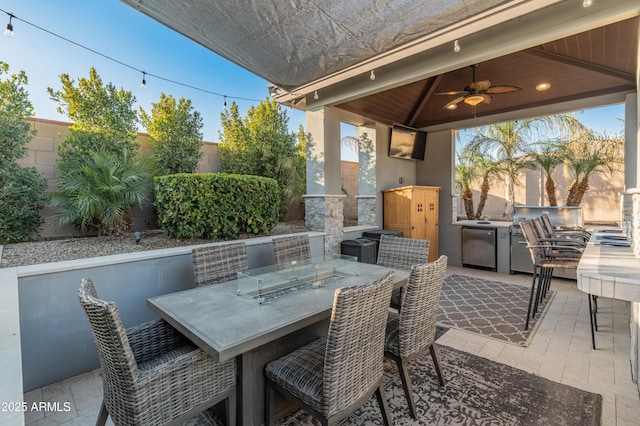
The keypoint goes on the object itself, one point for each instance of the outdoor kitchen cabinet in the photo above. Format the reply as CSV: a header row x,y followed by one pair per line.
x,y
413,210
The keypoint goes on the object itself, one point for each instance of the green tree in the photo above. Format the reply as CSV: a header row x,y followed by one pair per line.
x,y
548,157
101,176
174,129
487,170
21,188
465,174
103,117
507,143
99,196
589,153
260,144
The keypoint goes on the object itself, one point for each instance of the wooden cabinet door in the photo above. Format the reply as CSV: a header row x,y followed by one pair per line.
x,y
419,214
431,229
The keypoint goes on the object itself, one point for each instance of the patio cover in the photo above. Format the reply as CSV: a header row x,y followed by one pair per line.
x,y
293,42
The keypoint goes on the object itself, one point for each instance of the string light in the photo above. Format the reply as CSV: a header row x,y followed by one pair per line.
x,y
315,95
225,102
587,3
143,83
9,33
372,76
456,46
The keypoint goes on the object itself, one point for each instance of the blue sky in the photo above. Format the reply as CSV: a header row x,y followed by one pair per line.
x,y
120,32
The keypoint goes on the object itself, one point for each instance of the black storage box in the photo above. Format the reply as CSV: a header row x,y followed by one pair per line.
x,y
375,235
364,248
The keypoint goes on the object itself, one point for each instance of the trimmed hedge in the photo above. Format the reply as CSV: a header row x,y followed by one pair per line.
x,y
216,205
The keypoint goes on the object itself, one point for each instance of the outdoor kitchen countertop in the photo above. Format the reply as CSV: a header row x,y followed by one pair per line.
x,y
484,224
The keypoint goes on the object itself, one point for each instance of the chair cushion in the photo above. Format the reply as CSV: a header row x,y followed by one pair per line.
x,y
392,334
301,372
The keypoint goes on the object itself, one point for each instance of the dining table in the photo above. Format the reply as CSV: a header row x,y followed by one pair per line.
x,y
228,320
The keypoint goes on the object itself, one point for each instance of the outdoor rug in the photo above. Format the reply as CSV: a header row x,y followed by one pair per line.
x,y
477,392
490,308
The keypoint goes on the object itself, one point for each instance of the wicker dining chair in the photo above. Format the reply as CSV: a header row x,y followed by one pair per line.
x,y
579,234
216,264
295,248
411,332
546,257
401,253
153,375
334,375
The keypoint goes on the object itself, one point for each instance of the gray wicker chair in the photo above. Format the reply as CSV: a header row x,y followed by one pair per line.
x,y
289,249
152,375
411,332
334,375
401,253
216,264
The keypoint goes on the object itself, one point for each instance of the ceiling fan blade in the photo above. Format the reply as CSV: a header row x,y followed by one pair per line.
x,y
479,86
453,102
457,92
503,89
487,98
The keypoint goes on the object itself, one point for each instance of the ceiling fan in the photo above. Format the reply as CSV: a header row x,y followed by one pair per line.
x,y
477,92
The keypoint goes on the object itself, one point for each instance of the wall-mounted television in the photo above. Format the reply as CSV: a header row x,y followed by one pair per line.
x,y
407,143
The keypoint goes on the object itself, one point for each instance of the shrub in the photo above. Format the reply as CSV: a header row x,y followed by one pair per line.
x,y
100,195
216,205
21,198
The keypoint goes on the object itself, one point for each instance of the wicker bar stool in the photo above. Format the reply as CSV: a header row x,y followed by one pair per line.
x,y
153,375
401,253
216,264
295,248
334,375
411,332
545,257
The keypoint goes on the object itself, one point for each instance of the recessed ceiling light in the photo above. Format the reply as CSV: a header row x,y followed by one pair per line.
x,y
543,86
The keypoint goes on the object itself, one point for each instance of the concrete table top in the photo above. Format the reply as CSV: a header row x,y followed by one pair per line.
x,y
609,271
226,325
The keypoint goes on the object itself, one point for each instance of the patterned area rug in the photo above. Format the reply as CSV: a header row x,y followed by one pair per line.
x,y
490,308
477,392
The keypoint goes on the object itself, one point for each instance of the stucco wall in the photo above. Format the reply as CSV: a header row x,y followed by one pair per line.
x,y
601,202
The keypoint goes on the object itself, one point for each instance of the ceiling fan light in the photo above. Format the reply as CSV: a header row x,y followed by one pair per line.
x,y
543,86
473,100
451,107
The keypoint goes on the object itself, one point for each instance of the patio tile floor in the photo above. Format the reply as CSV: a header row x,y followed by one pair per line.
x,y
560,351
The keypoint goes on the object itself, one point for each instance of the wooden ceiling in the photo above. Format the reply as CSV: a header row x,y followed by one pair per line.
x,y
594,63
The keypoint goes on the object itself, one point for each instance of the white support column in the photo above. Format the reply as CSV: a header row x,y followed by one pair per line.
x,y
324,199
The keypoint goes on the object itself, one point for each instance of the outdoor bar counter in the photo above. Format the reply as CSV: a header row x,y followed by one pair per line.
x,y
614,272
227,325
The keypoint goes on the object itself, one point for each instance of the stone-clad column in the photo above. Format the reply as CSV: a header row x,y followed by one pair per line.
x,y
324,199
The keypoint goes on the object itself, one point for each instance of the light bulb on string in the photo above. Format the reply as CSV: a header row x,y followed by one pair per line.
x,y
315,95
9,31
372,76
143,83
456,46
225,102
587,3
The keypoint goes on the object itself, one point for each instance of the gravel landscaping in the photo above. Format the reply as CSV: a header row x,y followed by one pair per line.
x,y
38,252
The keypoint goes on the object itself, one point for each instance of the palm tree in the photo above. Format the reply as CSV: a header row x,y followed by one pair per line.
x,y
506,143
100,195
587,154
548,157
487,169
465,174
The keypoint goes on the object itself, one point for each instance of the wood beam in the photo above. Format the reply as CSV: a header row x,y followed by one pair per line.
x,y
424,99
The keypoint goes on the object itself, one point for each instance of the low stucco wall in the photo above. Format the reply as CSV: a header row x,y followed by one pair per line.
x,y
56,342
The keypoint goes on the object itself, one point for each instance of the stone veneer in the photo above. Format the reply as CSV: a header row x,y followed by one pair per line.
x,y
324,213
366,210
